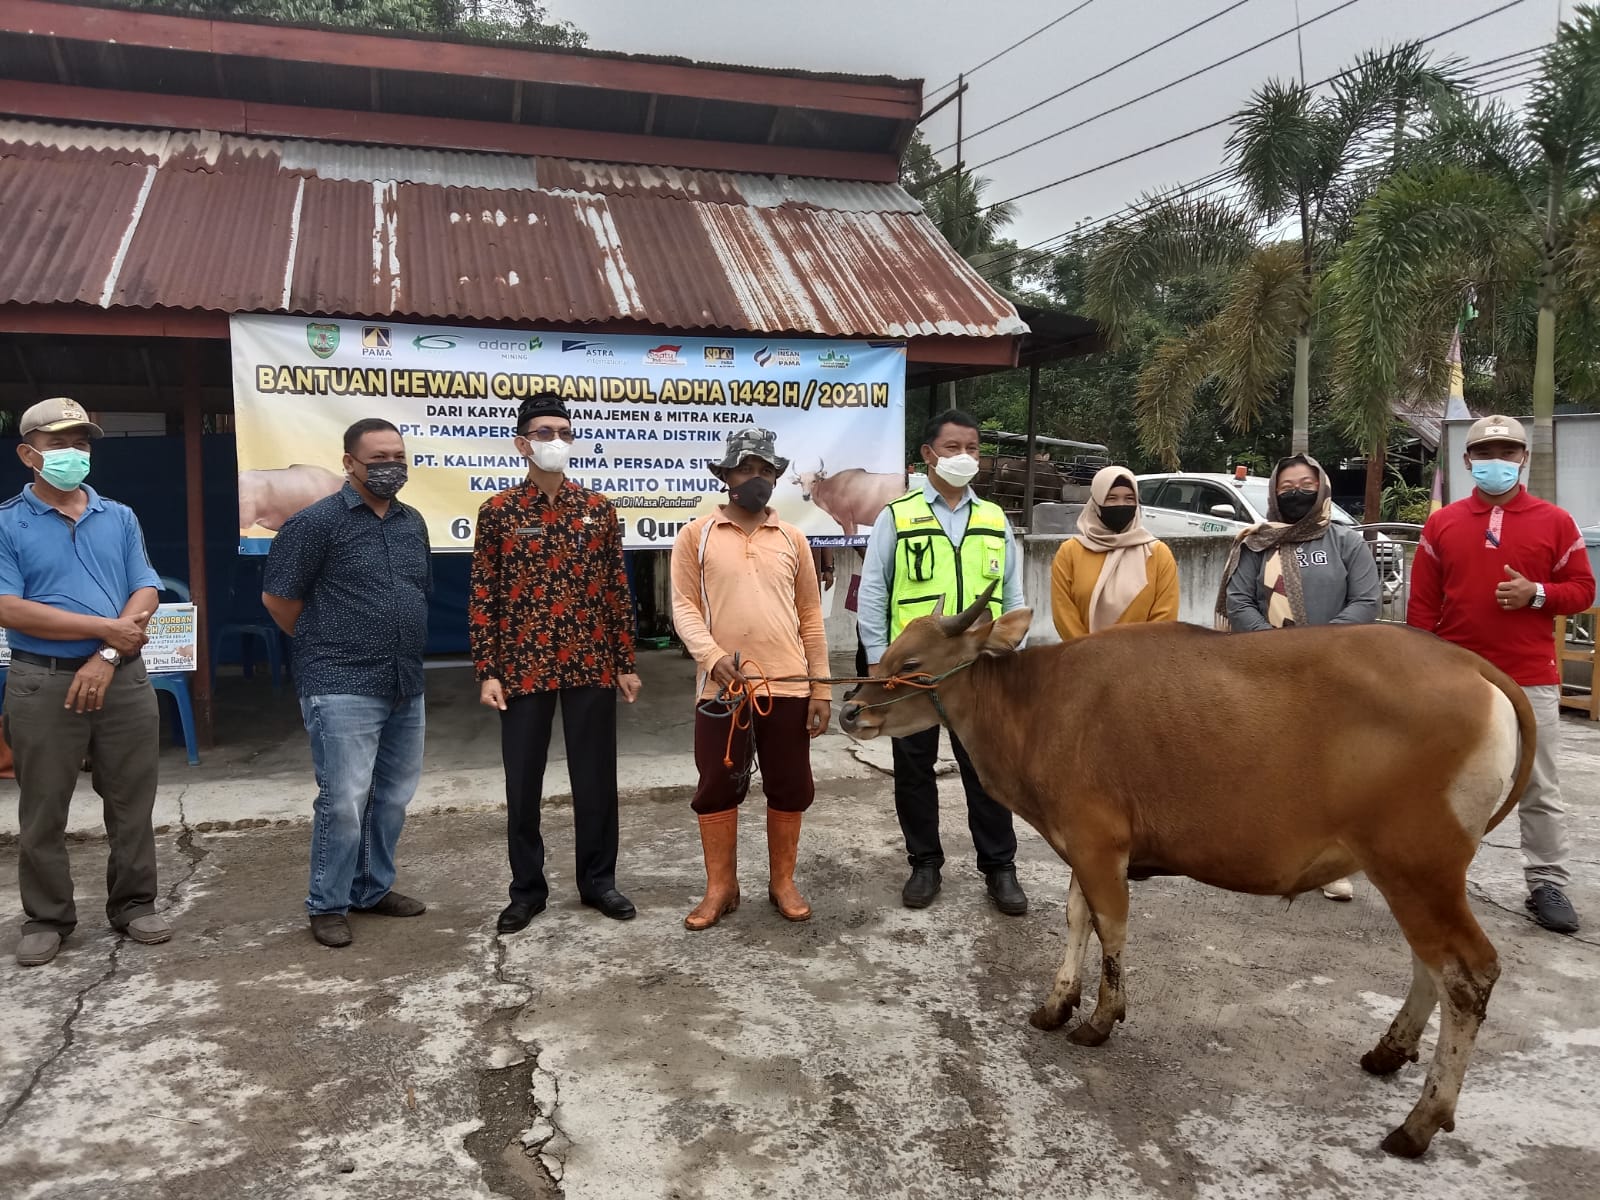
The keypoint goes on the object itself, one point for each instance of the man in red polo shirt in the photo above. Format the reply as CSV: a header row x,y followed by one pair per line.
x,y
1492,573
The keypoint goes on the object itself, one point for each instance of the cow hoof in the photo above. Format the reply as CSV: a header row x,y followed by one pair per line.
x,y
1384,1059
1087,1035
1402,1144
1046,1019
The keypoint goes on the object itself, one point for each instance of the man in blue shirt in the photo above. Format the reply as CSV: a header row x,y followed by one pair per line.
x,y
958,561
348,579
76,591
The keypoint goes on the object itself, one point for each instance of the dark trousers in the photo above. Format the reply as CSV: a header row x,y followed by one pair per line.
x,y
589,722
916,799
782,745
51,742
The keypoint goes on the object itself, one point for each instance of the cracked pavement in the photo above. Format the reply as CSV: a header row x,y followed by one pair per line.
x,y
873,1052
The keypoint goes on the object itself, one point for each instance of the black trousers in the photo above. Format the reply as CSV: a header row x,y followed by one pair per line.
x,y
589,722
916,800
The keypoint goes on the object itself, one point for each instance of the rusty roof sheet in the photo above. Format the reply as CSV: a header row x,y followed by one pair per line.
x,y
132,218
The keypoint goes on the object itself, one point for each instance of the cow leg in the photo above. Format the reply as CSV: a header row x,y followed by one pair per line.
x,y
1462,962
1107,896
1068,989
1399,1045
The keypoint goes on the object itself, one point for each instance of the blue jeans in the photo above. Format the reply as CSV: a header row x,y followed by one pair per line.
x,y
367,752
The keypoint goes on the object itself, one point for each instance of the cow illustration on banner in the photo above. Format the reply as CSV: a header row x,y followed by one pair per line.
x,y
649,413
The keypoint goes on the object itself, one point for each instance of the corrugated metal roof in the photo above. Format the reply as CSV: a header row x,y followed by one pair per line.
x,y
129,218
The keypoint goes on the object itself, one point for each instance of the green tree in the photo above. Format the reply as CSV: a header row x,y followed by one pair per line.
x,y
501,20
1504,206
1293,156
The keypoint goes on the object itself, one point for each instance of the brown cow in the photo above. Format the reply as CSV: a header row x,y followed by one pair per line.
x,y
1165,750
853,497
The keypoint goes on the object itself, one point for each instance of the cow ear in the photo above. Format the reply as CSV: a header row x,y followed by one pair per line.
x,y
1006,634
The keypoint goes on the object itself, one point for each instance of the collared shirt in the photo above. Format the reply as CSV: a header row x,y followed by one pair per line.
x,y
1462,558
754,593
877,571
91,566
548,606
365,581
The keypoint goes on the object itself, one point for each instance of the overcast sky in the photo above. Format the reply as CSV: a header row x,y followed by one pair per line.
x,y
932,40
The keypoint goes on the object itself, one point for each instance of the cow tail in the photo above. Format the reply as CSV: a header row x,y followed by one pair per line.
x,y
1528,727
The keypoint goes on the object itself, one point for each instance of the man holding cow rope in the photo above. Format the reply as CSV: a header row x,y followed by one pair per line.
x,y
1492,572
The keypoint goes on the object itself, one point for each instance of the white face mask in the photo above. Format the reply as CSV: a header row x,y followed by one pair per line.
x,y
551,456
958,470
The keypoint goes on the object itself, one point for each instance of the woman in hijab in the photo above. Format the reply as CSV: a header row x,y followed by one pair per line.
x,y
1300,569
1114,571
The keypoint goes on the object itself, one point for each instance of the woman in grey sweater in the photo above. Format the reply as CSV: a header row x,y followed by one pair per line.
x,y
1300,569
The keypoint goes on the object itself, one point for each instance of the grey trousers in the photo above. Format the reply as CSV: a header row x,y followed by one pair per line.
x,y
50,743
1544,825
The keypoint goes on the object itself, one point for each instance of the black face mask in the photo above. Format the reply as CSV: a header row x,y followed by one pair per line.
x,y
752,495
385,479
1118,517
1293,507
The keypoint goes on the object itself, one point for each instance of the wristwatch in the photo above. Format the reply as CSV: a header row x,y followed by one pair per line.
x,y
110,655
1538,596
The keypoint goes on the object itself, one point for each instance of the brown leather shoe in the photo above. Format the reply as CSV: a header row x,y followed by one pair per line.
x,y
783,850
393,904
331,929
719,840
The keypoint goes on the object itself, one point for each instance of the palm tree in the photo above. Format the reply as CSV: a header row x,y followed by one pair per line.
x,y
1293,156
955,204
1497,204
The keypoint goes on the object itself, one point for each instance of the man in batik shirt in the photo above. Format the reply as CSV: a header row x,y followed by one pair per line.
x,y
551,621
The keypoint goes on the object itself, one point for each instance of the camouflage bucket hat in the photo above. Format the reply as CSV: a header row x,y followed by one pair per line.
x,y
747,443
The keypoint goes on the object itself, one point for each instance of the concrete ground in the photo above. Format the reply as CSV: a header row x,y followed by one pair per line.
x,y
871,1052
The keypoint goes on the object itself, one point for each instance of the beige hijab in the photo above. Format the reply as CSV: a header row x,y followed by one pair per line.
x,y
1125,573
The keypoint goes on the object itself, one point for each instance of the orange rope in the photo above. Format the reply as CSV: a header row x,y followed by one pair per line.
x,y
745,698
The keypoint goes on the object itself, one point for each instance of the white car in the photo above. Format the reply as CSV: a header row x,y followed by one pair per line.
x,y
1196,504
1186,504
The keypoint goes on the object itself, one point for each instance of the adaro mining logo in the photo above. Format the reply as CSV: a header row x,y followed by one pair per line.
x,y
377,341
323,339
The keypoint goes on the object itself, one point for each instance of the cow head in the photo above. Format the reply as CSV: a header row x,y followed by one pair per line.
x,y
808,480
934,646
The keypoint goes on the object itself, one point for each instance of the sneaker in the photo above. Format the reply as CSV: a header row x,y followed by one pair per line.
x,y
36,949
148,930
1340,889
1551,908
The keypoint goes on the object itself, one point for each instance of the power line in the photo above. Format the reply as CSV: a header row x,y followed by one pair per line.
x,y
1165,142
1164,87
1167,41
970,71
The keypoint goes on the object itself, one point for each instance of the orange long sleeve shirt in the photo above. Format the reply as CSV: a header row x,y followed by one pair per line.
x,y
755,594
1077,569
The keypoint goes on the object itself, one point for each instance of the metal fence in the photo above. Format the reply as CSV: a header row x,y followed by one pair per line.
x,y
1394,545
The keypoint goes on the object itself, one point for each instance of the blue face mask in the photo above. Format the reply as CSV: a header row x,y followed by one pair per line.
x,y
65,469
1495,476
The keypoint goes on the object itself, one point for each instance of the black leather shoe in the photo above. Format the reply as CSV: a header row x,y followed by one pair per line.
x,y
1007,893
331,929
514,917
921,888
613,904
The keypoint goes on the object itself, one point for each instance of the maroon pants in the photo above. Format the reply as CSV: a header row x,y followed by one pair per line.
x,y
783,747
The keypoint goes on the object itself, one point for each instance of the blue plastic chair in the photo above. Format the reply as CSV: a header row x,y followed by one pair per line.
x,y
249,631
176,684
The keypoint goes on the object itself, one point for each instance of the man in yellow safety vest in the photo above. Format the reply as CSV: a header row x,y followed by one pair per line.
x,y
940,541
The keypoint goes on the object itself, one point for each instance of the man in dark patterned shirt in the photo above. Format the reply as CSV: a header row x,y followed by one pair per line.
x,y
348,578
549,618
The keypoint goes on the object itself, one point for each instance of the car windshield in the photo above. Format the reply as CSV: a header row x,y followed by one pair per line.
x,y
1255,495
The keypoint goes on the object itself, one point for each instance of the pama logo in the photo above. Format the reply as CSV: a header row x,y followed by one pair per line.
x,y
664,356
377,341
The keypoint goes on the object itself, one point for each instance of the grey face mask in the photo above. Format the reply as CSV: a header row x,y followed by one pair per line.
x,y
385,479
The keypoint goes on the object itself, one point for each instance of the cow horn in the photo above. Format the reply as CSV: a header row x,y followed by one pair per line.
x,y
957,625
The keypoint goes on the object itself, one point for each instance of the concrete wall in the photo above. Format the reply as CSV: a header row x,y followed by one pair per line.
x,y
1200,564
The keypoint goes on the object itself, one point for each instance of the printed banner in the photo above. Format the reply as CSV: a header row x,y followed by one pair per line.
x,y
171,647
648,411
